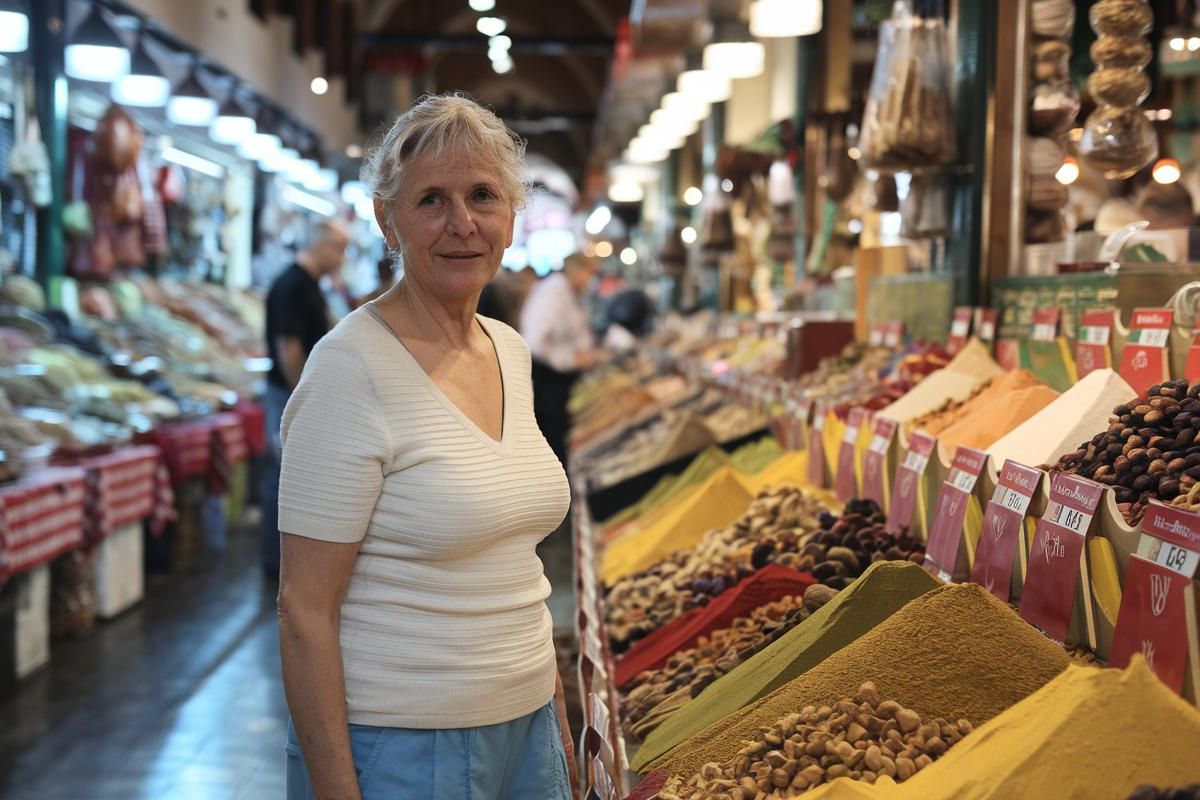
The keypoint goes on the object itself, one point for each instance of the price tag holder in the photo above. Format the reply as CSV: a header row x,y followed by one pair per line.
x,y
908,480
1003,522
1192,369
1045,324
1144,360
1053,575
846,481
602,787
986,324
944,553
1153,616
1093,349
816,447
960,329
875,460
893,334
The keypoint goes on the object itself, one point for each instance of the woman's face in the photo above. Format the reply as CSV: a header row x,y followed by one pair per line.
x,y
453,224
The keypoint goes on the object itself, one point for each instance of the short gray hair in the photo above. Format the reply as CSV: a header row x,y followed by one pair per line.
x,y
437,124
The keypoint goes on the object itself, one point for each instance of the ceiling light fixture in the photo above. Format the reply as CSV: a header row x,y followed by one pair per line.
x,y
96,52
319,85
733,52
144,86
482,6
14,28
1166,171
785,18
491,26
190,103
1068,173
598,220
693,196
233,123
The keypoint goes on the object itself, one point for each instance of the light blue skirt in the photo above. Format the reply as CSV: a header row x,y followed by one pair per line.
x,y
519,760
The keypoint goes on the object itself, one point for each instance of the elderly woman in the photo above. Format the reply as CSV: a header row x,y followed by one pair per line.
x,y
415,639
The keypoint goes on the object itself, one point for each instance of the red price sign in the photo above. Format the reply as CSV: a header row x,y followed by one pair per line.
x,y
986,324
1003,522
875,461
945,537
1045,324
960,329
1053,576
907,482
1092,348
878,330
1144,360
816,447
1153,616
893,334
846,485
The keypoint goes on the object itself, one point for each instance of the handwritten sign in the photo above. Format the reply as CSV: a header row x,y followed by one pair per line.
x,y
1092,348
875,460
907,481
846,485
945,537
1049,594
1045,324
1153,615
1144,360
1003,522
960,329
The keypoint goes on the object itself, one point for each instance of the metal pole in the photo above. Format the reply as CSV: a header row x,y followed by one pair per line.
x,y
48,33
805,48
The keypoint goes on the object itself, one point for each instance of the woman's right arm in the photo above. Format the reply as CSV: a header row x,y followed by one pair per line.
x,y
312,581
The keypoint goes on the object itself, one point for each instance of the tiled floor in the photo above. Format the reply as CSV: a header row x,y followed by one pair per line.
x,y
178,698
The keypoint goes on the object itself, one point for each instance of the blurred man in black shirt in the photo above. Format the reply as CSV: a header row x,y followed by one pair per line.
x,y
297,318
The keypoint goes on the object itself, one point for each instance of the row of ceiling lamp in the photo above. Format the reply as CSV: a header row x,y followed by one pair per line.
x,y
494,28
97,53
733,53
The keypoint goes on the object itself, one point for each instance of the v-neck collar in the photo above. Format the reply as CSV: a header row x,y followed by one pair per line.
x,y
499,446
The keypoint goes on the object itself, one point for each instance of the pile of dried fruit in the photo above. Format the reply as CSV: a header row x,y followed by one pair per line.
x,y
1151,451
843,548
640,604
1152,793
688,672
860,738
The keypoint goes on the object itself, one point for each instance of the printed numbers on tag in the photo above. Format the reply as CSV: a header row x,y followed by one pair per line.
x,y
987,331
1011,499
818,422
963,480
1153,337
960,327
915,462
1178,559
879,445
850,436
1095,335
1072,519
1043,332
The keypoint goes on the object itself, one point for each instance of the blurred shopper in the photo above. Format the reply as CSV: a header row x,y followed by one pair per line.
x,y
504,297
555,325
416,645
629,314
297,318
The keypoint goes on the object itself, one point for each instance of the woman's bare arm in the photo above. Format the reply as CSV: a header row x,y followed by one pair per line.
x,y
313,578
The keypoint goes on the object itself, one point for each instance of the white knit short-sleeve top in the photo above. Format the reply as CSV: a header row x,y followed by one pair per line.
x,y
444,623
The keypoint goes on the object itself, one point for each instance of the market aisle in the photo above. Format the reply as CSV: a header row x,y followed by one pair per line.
x,y
178,698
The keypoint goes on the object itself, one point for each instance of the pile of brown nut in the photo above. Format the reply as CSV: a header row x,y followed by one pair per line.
x,y
640,604
862,739
1151,450
688,672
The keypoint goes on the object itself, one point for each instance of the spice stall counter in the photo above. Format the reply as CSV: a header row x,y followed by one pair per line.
x,y
41,518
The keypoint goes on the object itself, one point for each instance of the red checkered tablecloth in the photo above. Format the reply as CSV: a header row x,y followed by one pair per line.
x,y
41,517
186,446
124,487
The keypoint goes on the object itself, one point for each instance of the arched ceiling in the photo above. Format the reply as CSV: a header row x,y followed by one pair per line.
x,y
562,51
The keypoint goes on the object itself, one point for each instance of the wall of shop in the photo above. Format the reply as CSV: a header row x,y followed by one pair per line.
x,y
261,55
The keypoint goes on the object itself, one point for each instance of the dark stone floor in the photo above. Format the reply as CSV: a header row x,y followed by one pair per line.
x,y
178,698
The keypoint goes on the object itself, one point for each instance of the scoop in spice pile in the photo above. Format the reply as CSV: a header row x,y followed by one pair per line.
x,y
861,738
1151,451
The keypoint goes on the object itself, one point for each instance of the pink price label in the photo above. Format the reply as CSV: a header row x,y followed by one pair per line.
x,y
907,481
1003,522
988,317
945,537
847,480
1153,621
1172,524
1049,595
1045,324
875,460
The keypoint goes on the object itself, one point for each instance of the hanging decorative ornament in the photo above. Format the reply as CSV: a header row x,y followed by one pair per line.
x,y
1118,138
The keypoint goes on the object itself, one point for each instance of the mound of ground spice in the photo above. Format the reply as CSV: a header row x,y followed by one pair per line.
x,y
956,652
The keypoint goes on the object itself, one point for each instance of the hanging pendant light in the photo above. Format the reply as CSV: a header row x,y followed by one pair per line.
x,y
190,103
96,52
145,86
234,123
777,19
733,51
14,26
701,85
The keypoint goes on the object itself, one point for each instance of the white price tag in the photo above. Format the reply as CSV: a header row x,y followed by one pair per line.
x,y
876,338
1093,334
1011,499
915,462
962,480
1043,332
987,331
1072,519
1172,556
960,327
1151,337
879,445
819,421
850,436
